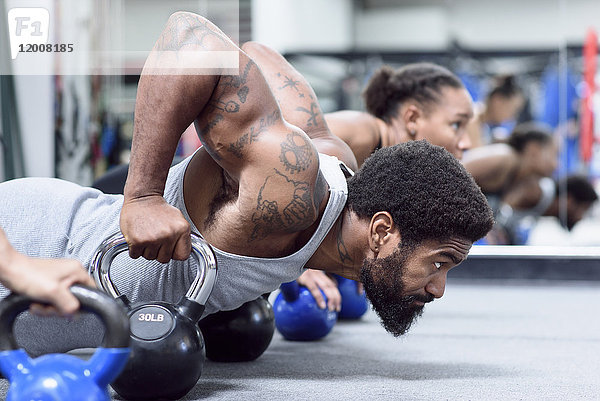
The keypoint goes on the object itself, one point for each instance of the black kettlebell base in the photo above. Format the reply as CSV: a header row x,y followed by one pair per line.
x,y
139,397
240,335
139,388
145,397
250,354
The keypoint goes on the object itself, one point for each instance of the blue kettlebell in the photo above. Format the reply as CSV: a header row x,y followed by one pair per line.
x,y
297,315
62,377
354,305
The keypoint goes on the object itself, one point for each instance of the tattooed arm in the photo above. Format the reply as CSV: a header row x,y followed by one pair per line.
x,y
240,126
298,101
300,107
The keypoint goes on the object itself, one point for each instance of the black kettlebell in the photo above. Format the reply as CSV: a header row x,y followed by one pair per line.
x,y
239,335
167,348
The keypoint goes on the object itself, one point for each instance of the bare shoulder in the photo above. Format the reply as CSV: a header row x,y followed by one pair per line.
x,y
358,129
491,165
498,151
350,118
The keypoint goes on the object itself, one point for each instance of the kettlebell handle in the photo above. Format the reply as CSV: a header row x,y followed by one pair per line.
x,y
113,316
200,288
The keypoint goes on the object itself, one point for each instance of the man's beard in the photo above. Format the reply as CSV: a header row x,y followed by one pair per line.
x,y
384,286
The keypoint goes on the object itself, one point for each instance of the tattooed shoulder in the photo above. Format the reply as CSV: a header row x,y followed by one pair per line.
x,y
276,213
297,154
254,133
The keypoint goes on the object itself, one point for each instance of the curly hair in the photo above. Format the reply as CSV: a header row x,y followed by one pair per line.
x,y
422,82
527,132
427,191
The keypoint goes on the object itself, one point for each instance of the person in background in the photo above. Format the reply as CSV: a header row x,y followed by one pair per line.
x,y
495,119
417,101
524,204
581,197
502,169
529,154
516,179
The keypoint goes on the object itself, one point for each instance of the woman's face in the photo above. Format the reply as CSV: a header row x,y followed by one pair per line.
x,y
444,123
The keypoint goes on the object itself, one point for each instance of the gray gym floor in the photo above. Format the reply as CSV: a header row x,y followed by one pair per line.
x,y
482,341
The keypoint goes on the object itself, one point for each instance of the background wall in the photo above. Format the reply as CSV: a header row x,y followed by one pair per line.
x,y
291,25
342,25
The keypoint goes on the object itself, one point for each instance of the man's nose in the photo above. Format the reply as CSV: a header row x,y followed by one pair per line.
x,y
437,285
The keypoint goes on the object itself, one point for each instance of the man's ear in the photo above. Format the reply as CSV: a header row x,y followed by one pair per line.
x,y
381,230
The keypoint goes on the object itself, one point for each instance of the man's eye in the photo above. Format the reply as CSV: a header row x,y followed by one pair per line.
x,y
455,126
438,265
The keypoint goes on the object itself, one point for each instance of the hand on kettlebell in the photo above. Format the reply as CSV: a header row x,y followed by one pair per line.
x,y
61,376
297,315
323,288
167,347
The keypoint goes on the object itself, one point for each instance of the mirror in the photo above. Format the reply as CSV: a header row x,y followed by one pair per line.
x,y
539,45
337,45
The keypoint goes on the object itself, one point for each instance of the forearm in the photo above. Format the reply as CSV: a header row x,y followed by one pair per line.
x,y
155,138
298,102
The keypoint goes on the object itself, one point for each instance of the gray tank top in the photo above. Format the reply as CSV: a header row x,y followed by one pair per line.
x,y
242,278
45,217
